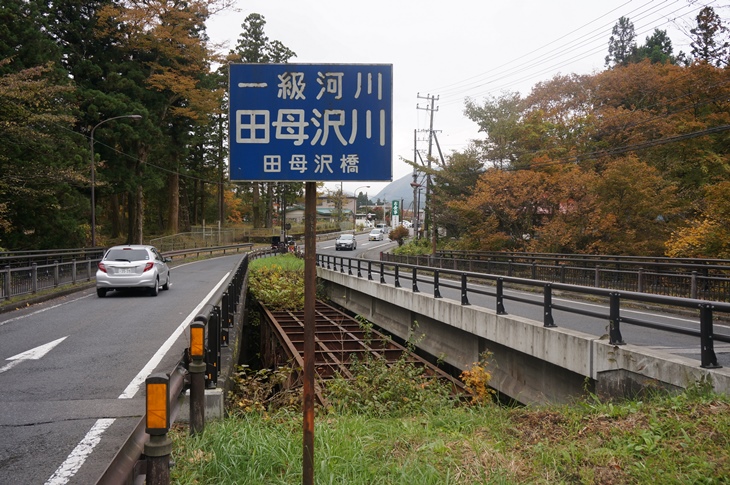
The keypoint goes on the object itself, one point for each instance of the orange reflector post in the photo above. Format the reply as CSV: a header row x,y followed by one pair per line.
x,y
197,340
158,398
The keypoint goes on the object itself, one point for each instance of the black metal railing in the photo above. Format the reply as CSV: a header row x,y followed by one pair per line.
x,y
660,276
468,283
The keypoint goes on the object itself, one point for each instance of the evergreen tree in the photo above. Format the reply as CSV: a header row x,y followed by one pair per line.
x,y
658,48
622,44
709,43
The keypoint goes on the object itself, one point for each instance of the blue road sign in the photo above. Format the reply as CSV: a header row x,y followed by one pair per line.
x,y
311,122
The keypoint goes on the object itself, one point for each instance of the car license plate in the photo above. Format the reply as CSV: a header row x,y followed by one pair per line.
x,y
125,271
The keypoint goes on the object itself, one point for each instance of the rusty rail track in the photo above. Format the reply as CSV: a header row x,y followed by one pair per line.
x,y
340,340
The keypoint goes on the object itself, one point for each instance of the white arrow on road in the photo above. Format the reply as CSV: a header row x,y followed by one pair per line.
x,y
32,354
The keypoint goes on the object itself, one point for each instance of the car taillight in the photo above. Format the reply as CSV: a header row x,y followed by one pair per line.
x,y
149,266
102,267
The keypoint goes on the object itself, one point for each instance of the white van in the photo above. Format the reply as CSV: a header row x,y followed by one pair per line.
x,y
383,228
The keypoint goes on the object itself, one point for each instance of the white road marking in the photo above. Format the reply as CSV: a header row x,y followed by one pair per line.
x,y
73,462
78,456
32,354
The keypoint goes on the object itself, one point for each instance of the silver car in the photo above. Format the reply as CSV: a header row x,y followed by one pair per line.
x,y
133,266
346,241
375,235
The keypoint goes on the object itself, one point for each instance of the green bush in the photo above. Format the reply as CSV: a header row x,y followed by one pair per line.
x,y
278,282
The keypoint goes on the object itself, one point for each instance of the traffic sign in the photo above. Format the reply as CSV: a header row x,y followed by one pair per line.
x,y
395,208
311,122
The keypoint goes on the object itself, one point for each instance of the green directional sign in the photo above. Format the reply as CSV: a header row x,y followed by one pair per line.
x,y
395,208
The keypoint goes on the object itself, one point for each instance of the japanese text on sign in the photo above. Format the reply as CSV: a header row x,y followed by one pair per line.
x,y
309,122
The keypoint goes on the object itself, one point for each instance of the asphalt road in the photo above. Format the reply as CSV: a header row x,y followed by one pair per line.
x,y
72,369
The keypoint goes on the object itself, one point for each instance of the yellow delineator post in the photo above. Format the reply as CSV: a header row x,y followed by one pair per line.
x,y
197,369
157,424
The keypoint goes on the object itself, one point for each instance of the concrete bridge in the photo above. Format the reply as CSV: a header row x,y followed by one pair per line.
x,y
530,363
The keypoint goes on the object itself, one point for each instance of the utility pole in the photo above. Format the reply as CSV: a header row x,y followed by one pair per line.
x,y
429,203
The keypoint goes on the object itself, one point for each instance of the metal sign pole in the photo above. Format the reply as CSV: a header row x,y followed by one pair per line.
x,y
310,288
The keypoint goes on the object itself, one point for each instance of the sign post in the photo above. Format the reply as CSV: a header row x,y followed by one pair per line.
x,y
310,123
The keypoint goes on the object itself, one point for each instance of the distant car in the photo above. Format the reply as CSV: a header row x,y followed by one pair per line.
x,y
346,241
406,224
375,235
133,266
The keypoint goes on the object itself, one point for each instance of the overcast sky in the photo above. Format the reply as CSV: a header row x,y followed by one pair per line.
x,y
456,49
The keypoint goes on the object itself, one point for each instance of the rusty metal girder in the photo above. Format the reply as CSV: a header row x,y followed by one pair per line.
x,y
340,340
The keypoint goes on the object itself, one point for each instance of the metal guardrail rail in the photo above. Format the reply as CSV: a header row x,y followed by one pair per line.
x,y
467,283
659,276
65,269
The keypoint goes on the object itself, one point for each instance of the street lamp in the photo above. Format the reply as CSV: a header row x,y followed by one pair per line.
x,y
93,175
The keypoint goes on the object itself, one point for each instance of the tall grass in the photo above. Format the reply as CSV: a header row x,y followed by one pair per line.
x,y
662,439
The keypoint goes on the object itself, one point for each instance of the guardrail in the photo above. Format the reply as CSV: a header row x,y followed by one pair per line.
x,y
475,283
34,277
694,280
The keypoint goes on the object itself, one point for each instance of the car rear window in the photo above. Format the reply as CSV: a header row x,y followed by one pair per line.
x,y
128,255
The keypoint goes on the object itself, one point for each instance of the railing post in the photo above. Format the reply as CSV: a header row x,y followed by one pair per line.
x,y
597,278
415,280
370,270
359,274
6,283
34,277
533,271
464,297
708,357
547,320
214,346
55,274
225,301
397,279
73,271
349,267
88,269
640,281
693,286
562,273
382,273
500,297
436,290
614,320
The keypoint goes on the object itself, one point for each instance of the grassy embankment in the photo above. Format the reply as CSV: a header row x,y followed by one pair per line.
x,y
399,427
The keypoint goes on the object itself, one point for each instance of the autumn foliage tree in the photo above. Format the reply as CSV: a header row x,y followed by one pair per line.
x,y
631,160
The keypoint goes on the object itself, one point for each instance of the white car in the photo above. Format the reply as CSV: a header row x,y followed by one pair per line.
x,y
132,266
406,224
375,235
